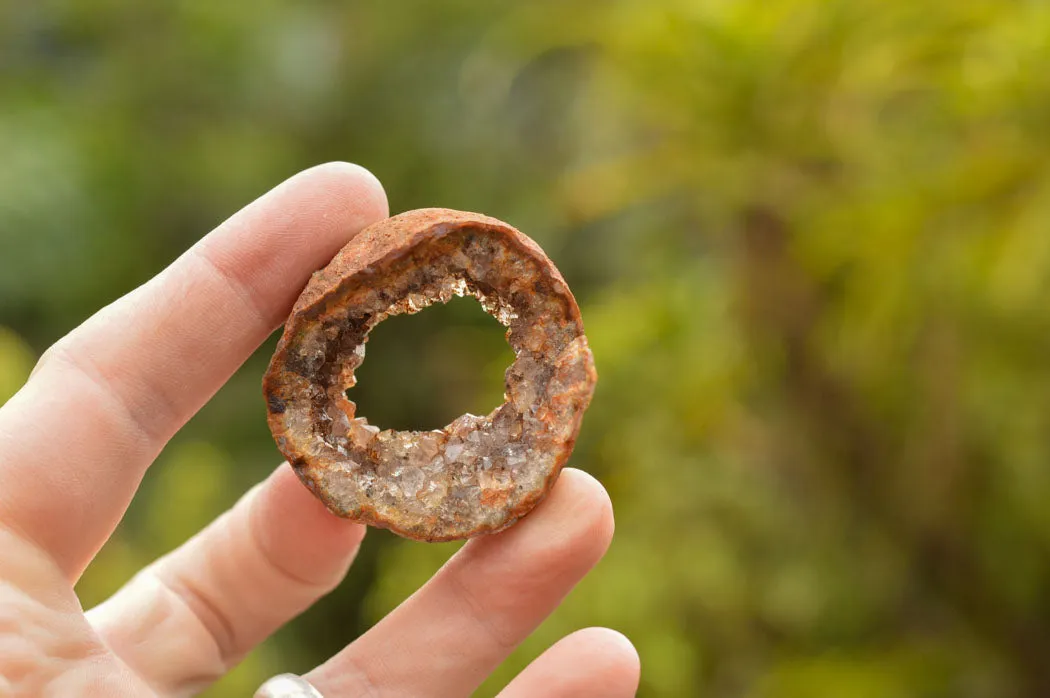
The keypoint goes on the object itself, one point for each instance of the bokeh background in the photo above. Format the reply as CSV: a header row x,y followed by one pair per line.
x,y
809,237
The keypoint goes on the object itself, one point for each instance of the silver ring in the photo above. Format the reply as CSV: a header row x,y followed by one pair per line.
x,y
287,686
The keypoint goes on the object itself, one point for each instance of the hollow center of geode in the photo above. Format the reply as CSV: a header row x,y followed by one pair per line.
x,y
424,370
342,409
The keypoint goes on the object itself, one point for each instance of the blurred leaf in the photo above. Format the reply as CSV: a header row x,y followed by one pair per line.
x,y
16,361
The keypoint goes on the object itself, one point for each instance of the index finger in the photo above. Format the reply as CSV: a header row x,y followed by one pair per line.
x,y
76,440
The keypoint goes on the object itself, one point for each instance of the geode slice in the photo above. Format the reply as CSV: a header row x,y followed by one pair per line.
x,y
478,474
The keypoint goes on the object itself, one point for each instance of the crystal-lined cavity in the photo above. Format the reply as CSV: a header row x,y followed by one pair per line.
x,y
479,473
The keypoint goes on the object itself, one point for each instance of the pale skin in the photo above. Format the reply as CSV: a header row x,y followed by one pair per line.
x,y
76,441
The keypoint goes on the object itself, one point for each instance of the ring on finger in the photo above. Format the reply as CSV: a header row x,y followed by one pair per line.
x,y
287,686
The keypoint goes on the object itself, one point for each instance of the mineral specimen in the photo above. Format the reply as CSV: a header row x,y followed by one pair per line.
x,y
478,474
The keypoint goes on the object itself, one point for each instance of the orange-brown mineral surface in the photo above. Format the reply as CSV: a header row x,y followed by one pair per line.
x,y
478,474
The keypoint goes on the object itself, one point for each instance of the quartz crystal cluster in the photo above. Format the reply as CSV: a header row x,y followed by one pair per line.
x,y
478,474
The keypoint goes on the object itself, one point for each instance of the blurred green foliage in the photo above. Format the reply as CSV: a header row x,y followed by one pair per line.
x,y
810,242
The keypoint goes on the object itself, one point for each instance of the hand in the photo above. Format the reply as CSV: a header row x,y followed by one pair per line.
x,y
100,405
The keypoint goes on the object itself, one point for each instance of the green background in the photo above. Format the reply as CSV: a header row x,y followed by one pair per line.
x,y
809,238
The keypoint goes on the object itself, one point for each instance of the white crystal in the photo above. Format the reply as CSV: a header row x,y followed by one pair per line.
x,y
453,451
340,423
416,302
497,478
425,449
435,467
312,349
411,480
465,423
361,431
434,492
515,455
459,287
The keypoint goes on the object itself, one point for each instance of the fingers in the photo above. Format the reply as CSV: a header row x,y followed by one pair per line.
x,y
186,619
46,646
594,662
446,638
104,399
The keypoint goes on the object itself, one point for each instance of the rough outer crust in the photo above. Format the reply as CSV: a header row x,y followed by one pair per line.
x,y
478,474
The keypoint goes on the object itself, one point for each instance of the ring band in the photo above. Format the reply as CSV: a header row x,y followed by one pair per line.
x,y
287,686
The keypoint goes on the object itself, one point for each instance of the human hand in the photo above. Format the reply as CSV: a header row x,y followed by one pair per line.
x,y
100,405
